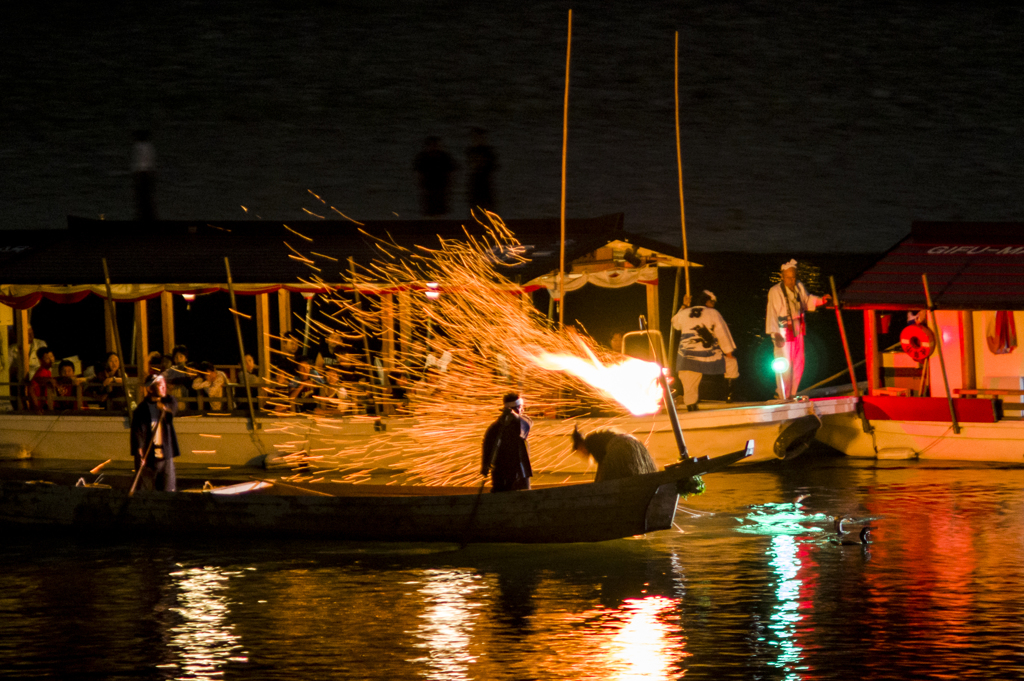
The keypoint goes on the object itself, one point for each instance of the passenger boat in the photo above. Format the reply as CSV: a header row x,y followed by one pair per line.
x,y
954,386
66,268
586,512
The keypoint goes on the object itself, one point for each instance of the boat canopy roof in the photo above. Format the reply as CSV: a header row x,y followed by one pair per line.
x,y
970,266
187,256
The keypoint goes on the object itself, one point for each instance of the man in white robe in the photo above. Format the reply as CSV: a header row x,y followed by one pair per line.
x,y
784,322
705,347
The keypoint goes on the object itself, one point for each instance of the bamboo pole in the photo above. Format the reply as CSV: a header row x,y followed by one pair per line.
x,y
942,359
842,334
117,340
379,424
565,143
241,346
679,163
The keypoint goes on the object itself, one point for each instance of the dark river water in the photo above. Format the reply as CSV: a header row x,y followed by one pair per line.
x,y
747,587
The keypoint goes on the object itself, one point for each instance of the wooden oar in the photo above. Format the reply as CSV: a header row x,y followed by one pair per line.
x,y
480,492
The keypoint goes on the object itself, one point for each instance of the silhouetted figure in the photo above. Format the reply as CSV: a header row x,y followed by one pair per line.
x,y
481,162
144,176
434,166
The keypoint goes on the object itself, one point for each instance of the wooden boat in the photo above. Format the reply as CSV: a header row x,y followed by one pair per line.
x,y
960,396
586,512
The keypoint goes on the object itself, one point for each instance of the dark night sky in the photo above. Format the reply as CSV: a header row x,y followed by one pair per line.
x,y
806,125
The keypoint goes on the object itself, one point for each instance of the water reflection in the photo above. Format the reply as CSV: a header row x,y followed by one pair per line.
x,y
204,641
448,617
785,617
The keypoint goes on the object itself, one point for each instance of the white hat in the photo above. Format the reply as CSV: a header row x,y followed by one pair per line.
x,y
710,295
789,265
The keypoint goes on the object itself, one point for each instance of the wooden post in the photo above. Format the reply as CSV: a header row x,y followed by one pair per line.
x,y
108,327
241,350
263,334
167,321
405,326
24,346
142,339
942,358
872,356
387,318
968,371
284,311
842,334
653,308
117,340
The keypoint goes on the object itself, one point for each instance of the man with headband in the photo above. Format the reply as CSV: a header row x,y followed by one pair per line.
x,y
505,453
784,322
154,443
705,348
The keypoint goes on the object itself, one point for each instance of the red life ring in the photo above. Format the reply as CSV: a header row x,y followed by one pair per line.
x,y
918,342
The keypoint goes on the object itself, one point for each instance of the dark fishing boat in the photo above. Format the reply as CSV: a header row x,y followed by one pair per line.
x,y
584,512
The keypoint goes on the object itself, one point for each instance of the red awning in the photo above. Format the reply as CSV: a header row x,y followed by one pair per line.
x,y
970,266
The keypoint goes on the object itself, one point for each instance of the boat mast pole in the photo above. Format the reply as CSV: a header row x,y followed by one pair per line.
x,y
942,359
241,346
670,405
117,340
842,334
565,141
682,207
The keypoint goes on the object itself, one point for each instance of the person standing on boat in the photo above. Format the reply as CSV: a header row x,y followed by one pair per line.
x,y
153,447
705,347
506,456
784,322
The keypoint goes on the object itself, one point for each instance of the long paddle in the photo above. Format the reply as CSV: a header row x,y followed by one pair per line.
x,y
480,492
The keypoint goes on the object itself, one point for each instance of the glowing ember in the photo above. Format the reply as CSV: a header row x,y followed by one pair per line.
x,y
452,354
633,383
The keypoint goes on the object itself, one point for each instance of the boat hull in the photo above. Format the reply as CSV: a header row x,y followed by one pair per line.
x,y
571,513
999,442
228,440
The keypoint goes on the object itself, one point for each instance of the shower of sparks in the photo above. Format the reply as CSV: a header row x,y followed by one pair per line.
x,y
463,336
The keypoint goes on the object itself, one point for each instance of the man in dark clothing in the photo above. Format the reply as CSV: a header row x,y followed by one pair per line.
x,y
158,408
506,455
481,162
434,166
618,454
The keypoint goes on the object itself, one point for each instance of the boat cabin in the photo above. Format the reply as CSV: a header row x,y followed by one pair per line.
x,y
975,278
157,269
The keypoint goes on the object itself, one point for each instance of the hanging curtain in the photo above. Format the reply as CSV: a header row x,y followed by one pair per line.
x,y
1001,333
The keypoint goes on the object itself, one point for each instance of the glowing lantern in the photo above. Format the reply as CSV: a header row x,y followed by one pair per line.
x,y
780,365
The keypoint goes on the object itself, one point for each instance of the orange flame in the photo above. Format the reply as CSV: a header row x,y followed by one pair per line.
x,y
633,383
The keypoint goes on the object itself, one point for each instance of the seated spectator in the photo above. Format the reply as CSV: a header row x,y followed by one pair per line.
x,y
304,383
155,360
334,395
66,383
249,367
106,386
41,386
291,349
179,376
211,383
